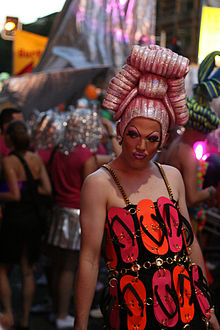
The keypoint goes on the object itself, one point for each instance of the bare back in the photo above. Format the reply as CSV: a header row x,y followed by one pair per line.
x,y
14,173
33,161
173,155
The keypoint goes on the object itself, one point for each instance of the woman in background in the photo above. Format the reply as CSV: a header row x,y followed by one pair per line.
x,y
20,233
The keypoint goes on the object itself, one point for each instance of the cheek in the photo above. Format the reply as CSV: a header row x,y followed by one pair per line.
x,y
153,147
128,144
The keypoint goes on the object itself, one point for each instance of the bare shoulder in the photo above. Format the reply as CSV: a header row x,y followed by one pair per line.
x,y
185,150
10,161
33,156
95,188
171,170
97,180
7,161
173,175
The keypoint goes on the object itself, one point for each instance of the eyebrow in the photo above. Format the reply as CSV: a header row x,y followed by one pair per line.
x,y
146,135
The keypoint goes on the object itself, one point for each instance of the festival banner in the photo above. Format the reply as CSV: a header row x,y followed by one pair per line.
x,y
209,38
27,51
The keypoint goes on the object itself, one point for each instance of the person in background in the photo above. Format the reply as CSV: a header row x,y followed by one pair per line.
x,y
20,232
180,153
136,211
67,172
175,46
108,147
6,116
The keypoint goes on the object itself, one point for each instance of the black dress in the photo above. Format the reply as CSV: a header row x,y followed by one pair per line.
x,y
20,227
152,282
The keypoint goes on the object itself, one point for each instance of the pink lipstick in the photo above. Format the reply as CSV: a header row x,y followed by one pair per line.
x,y
139,155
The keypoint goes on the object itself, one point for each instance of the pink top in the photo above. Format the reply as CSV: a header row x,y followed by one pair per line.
x,y
67,176
45,155
101,150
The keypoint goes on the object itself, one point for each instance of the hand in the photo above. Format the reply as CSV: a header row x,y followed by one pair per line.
x,y
214,322
212,192
212,200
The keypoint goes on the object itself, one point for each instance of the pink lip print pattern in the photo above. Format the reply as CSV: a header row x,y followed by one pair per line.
x,y
152,235
122,226
165,299
170,216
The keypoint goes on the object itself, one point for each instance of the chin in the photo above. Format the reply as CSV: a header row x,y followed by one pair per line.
x,y
140,164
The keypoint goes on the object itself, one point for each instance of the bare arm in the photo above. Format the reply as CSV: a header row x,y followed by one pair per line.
x,y
112,135
92,219
13,193
116,148
196,253
90,166
189,166
103,159
44,187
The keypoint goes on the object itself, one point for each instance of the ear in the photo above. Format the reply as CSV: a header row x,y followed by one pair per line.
x,y
118,133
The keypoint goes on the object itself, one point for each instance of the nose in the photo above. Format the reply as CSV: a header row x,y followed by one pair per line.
x,y
141,144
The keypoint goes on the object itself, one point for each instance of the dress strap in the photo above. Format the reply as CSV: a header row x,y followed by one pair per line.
x,y
121,189
165,180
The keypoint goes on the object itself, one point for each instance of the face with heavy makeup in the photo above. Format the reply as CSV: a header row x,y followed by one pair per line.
x,y
141,140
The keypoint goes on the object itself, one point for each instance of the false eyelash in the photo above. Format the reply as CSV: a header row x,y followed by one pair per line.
x,y
132,134
154,139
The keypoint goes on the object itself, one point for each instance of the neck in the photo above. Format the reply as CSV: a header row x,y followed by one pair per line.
x,y
20,152
121,164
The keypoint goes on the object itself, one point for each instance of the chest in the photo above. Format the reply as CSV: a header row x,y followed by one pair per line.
x,y
135,190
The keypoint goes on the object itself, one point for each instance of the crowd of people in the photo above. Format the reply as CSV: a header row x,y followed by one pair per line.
x,y
27,175
136,202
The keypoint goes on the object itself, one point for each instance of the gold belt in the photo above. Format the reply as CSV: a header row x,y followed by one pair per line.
x,y
159,262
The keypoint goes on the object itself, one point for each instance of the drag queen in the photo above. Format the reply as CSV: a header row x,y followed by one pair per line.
x,y
135,209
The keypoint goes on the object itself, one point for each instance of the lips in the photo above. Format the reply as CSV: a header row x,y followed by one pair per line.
x,y
139,155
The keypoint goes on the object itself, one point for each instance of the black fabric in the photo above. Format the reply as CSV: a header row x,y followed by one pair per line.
x,y
21,228
43,203
212,176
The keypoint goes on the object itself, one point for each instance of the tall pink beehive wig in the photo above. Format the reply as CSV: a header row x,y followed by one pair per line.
x,y
150,85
